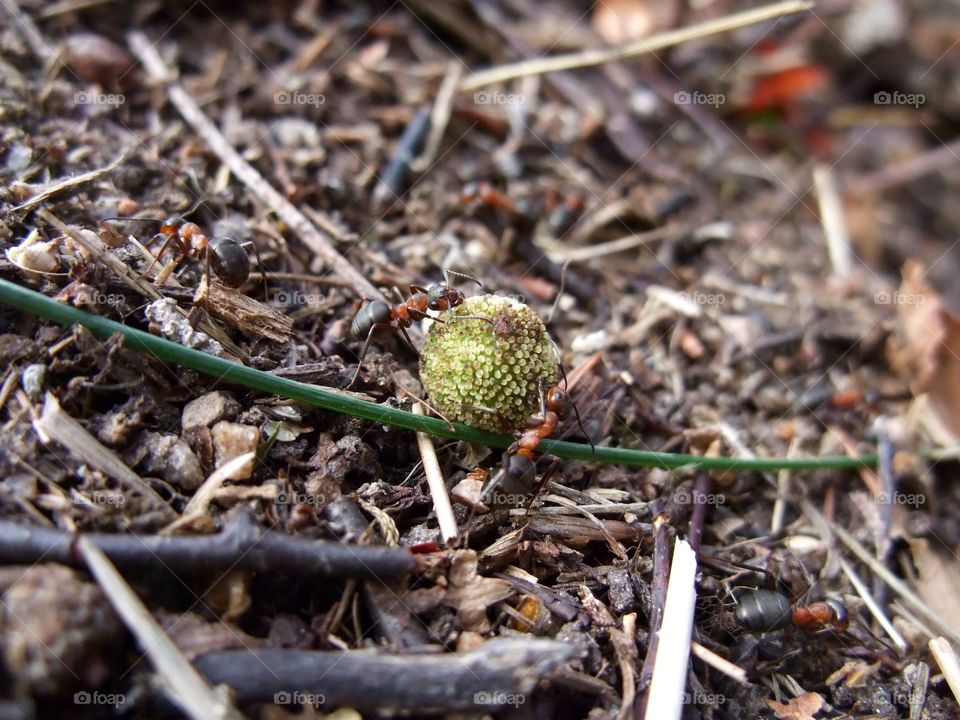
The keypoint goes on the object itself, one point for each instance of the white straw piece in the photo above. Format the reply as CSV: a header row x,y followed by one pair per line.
x,y
666,699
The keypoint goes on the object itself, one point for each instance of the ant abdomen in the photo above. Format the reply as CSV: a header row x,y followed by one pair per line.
x,y
376,312
229,261
764,611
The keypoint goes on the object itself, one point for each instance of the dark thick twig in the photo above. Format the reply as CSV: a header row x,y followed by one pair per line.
x,y
658,599
701,488
242,544
498,673
394,179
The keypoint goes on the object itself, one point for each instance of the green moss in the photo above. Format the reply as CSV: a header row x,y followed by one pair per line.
x,y
488,374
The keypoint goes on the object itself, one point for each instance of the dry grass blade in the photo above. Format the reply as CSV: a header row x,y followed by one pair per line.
x,y
67,184
660,41
670,668
438,490
946,658
54,423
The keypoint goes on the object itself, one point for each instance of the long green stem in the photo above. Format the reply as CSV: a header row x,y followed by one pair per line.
x,y
226,371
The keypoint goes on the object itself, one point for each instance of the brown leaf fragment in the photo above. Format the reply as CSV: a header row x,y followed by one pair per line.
x,y
802,707
471,594
927,353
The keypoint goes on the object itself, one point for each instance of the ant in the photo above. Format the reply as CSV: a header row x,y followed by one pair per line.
x,y
555,404
767,610
227,257
562,210
381,315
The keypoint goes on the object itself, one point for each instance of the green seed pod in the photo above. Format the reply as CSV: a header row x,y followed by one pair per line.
x,y
488,374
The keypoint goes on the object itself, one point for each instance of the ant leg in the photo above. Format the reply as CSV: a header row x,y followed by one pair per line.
x,y
163,248
406,337
363,353
414,289
263,273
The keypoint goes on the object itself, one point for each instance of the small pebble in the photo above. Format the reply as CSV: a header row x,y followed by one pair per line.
x,y
209,409
32,380
233,439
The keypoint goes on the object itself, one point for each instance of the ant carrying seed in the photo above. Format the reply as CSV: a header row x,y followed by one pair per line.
x,y
555,405
381,315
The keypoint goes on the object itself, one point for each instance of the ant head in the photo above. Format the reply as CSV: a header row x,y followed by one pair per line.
x,y
443,297
557,399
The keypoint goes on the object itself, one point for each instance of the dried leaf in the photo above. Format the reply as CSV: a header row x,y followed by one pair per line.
x,y
471,594
928,353
938,580
803,707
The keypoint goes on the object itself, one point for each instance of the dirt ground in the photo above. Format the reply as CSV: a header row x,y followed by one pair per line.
x,y
743,245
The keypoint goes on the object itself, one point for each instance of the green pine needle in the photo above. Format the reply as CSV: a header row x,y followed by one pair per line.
x,y
225,371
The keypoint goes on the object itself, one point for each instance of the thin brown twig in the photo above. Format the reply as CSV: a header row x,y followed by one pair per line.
x,y
311,235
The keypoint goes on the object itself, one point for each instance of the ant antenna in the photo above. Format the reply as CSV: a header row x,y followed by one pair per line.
x,y
447,273
563,373
189,211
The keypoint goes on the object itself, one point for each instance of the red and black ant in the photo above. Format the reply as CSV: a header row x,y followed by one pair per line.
x,y
381,315
562,210
768,610
225,256
765,610
555,404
